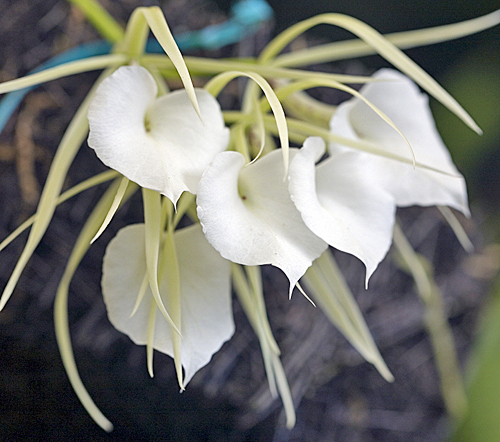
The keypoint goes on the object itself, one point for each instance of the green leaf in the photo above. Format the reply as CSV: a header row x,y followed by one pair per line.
x,y
70,143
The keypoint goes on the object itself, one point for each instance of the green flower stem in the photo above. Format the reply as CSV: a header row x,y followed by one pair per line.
x,y
302,105
102,21
437,326
239,140
299,130
169,255
207,66
64,70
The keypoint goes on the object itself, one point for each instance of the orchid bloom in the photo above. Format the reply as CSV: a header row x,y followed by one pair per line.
x,y
341,203
206,314
157,142
248,216
169,288
401,100
161,144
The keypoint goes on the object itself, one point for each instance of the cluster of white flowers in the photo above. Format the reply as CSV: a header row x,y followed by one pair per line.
x,y
168,286
248,214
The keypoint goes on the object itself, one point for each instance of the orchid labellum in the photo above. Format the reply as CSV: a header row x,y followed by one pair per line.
x,y
158,142
206,314
434,180
341,202
248,216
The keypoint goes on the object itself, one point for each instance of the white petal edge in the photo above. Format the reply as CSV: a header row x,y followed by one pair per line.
x,y
340,202
159,143
401,100
206,313
248,216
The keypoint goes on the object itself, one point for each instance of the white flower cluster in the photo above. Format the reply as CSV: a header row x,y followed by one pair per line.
x,y
248,214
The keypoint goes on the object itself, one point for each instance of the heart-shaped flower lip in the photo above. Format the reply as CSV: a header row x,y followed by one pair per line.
x,y
248,216
340,202
158,142
401,100
207,317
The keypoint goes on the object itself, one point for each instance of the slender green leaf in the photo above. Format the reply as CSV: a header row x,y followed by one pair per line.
x,y
70,143
153,228
286,91
457,228
436,322
114,207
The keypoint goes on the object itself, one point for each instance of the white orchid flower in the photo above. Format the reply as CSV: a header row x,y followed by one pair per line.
x,y
401,100
157,142
206,313
248,216
341,202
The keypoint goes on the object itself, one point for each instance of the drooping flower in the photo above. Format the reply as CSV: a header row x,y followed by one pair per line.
x,y
206,314
341,202
248,216
401,100
158,142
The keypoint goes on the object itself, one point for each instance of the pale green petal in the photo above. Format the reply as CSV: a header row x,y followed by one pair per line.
x,y
206,314
400,99
340,202
159,143
248,216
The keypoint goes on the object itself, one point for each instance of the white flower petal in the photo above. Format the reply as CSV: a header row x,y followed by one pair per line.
x,y
340,202
248,216
401,100
206,314
159,143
